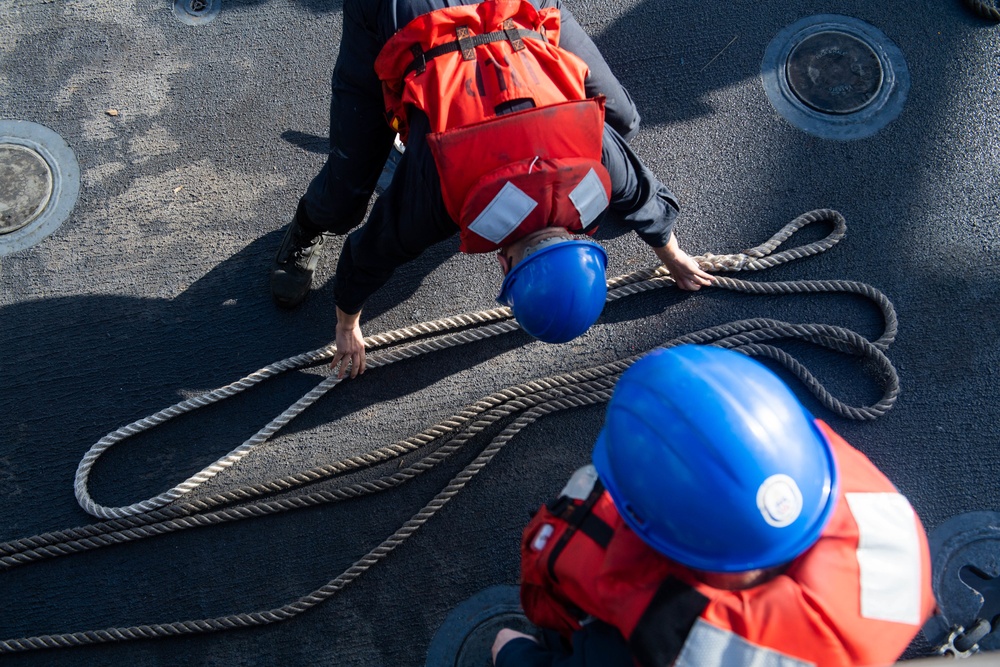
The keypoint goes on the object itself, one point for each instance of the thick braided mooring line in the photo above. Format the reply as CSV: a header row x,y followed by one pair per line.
x,y
495,321
748,336
299,361
984,8
306,602
491,408
598,390
538,397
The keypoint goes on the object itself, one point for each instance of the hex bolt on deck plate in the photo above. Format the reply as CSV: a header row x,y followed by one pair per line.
x,y
39,184
965,564
835,77
466,636
196,12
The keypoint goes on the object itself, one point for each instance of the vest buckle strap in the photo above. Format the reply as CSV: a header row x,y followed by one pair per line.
x,y
576,519
465,44
419,63
513,35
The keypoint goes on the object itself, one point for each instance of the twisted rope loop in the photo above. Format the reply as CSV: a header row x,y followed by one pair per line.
x,y
984,8
618,287
163,513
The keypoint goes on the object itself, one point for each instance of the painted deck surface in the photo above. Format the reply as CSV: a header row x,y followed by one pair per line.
x,y
155,289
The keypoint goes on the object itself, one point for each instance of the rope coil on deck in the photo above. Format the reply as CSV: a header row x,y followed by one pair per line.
x,y
496,321
984,8
163,513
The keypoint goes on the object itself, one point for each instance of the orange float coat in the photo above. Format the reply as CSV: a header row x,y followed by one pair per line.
x,y
502,176
858,596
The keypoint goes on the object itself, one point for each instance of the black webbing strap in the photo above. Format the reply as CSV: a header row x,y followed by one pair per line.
x,y
466,44
597,529
666,623
513,34
580,518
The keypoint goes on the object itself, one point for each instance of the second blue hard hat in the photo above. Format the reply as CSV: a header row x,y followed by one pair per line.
x,y
557,292
713,462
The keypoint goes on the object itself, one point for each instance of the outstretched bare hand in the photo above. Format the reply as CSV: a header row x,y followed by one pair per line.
x,y
682,267
350,352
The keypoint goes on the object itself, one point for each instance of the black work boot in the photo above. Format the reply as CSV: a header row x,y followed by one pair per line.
x,y
295,263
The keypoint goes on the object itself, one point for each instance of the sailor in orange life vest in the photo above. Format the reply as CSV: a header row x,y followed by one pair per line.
x,y
515,133
719,525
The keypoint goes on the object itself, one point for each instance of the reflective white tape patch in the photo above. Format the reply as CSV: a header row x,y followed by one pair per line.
x,y
542,537
709,646
589,198
581,483
888,557
502,215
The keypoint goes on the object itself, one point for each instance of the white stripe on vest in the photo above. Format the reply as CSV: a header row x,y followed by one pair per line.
x,y
589,198
888,556
709,646
502,215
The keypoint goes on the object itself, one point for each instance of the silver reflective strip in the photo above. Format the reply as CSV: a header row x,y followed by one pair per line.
x,y
888,557
502,215
589,198
709,646
581,483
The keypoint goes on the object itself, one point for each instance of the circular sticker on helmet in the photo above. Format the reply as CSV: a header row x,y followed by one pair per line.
x,y
779,500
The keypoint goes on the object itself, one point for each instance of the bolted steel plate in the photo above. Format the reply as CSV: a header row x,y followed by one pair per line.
x,y
25,186
835,77
39,184
834,72
965,575
466,636
196,12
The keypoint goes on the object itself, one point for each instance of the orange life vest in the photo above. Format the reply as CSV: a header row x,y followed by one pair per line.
x,y
856,597
502,177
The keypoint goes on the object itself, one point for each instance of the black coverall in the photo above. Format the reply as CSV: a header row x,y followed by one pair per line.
x,y
410,215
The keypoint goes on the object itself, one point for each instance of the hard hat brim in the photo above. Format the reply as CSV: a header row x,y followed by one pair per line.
x,y
504,297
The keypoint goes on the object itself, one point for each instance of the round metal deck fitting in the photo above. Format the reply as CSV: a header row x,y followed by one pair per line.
x,y
965,565
196,12
466,636
25,186
835,77
834,72
39,184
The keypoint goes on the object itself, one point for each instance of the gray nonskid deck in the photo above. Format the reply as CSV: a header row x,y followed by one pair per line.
x,y
155,289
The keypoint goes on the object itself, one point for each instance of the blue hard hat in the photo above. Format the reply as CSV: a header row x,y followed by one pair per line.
x,y
558,291
713,462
